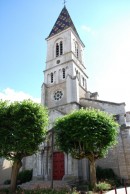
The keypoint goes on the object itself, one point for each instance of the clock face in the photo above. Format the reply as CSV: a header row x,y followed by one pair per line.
x,y
58,95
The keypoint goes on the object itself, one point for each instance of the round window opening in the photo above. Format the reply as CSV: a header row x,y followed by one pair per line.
x,y
58,95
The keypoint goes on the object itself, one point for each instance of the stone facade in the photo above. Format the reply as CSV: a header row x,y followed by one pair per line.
x,y
5,170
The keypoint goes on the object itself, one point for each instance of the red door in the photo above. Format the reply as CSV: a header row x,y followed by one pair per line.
x,y
58,165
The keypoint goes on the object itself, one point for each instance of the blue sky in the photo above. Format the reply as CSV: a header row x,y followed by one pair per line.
x,y
103,25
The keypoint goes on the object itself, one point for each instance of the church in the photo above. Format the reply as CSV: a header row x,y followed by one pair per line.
x,y
65,89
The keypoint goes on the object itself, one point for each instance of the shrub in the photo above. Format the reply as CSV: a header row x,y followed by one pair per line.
x,y
24,176
103,186
106,173
82,186
4,191
108,176
7,182
89,192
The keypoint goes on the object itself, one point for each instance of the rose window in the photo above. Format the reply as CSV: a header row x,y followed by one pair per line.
x,y
58,95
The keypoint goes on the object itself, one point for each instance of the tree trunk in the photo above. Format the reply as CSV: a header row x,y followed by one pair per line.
x,y
93,178
15,170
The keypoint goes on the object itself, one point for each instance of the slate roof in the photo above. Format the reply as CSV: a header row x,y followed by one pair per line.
x,y
63,22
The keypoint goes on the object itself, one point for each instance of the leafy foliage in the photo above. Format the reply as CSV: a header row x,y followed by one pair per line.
x,y
7,182
24,176
103,186
84,132
108,175
22,128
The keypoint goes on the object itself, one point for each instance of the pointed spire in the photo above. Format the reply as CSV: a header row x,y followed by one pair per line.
x,y
63,22
64,2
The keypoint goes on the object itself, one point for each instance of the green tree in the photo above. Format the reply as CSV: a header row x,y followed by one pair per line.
x,y
86,133
22,129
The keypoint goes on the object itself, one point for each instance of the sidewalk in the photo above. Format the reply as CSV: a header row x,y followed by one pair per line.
x,y
119,191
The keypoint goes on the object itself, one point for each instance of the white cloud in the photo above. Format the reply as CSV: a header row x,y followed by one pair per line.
x,y
12,95
88,29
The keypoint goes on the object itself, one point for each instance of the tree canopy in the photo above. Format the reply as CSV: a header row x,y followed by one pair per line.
x,y
86,133
23,126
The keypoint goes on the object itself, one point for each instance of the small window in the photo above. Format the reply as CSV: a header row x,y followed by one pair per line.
x,y
116,117
77,53
75,47
83,81
63,70
78,75
59,48
52,77
76,50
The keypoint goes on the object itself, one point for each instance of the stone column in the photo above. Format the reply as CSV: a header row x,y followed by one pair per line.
x,y
80,170
75,167
34,166
70,165
39,172
46,164
66,164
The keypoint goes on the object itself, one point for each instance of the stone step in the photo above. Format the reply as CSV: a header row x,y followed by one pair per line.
x,y
44,184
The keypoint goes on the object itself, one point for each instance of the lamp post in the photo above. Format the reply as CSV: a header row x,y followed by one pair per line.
x,y
52,149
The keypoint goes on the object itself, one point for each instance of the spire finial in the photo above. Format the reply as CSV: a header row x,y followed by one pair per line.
x,y
64,2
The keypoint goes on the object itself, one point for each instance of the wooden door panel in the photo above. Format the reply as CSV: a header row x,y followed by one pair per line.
x,y
58,165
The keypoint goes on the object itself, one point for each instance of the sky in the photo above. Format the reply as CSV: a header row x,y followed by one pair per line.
x,y
103,26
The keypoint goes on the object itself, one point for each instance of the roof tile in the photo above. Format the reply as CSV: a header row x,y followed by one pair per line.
x,y
63,22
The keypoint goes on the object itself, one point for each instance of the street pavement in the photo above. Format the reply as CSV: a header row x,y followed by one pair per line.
x,y
120,191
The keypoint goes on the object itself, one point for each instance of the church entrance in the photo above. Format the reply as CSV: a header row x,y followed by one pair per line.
x,y
58,166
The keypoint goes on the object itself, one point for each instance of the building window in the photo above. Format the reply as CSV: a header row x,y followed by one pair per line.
x,y
52,77
116,117
63,71
58,95
83,80
59,48
77,53
76,50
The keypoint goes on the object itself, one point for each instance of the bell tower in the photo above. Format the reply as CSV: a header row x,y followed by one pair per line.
x,y
65,80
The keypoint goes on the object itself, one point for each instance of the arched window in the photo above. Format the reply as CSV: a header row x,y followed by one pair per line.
x,y
77,53
76,50
83,80
77,73
52,77
59,48
63,71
